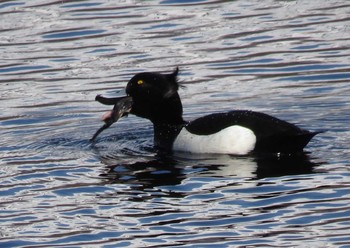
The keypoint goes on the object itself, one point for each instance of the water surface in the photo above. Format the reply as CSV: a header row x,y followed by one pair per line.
x,y
289,59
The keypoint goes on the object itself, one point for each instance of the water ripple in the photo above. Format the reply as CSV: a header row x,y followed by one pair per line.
x,y
285,58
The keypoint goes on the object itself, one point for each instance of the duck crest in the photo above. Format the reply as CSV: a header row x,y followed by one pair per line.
x,y
174,83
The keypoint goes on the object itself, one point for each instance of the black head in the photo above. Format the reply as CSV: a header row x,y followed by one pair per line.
x,y
155,97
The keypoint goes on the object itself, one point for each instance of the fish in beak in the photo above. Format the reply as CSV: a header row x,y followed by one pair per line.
x,y
122,106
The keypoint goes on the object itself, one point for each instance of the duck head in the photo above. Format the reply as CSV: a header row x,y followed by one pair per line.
x,y
150,95
155,97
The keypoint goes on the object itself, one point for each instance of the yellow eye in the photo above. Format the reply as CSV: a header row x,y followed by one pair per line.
x,y
140,82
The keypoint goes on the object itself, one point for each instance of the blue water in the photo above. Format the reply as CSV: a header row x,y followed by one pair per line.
x,y
289,59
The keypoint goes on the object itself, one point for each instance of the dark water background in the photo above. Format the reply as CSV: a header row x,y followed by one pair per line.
x,y
290,59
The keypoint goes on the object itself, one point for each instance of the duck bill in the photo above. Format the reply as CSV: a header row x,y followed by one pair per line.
x,y
122,107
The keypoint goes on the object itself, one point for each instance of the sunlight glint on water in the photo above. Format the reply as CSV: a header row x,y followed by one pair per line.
x,y
289,59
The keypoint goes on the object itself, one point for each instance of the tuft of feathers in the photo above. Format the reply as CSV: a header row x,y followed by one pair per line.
x,y
175,84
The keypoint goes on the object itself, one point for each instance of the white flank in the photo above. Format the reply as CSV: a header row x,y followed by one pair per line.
x,y
236,140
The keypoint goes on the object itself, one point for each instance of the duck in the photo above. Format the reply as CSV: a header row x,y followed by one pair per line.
x,y
155,96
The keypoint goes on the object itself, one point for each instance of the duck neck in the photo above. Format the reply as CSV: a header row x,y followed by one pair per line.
x,y
165,134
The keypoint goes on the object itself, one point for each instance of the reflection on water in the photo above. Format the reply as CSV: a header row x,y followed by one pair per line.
x,y
172,169
286,58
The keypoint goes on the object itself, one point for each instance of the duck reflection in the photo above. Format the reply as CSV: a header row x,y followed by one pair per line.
x,y
150,173
165,169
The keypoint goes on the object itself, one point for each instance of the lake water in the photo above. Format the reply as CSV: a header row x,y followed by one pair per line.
x,y
290,59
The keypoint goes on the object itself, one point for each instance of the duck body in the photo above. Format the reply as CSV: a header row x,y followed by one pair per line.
x,y
240,132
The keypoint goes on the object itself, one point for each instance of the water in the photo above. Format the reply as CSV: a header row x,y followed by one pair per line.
x,y
286,58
